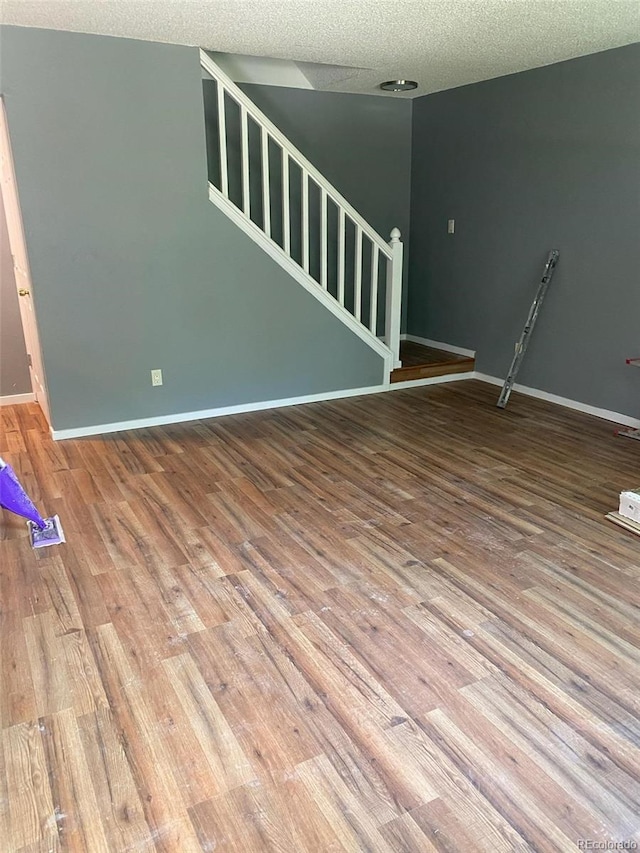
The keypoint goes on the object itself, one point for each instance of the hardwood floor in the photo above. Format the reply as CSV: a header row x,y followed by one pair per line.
x,y
392,623
421,362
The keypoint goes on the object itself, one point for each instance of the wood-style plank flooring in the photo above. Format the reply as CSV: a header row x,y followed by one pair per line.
x,y
421,362
391,623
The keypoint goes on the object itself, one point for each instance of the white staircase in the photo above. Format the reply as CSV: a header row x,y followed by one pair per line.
x,y
282,201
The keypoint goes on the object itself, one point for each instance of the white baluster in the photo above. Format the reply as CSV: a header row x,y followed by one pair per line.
x,y
222,142
357,288
244,143
286,216
266,185
373,317
323,238
394,297
305,220
341,243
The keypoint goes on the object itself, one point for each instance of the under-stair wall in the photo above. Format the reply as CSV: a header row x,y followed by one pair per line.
x,y
133,268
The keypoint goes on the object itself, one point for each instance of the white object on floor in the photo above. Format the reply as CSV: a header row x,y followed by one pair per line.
x,y
630,505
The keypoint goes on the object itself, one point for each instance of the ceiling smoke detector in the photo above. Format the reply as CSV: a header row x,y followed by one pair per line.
x,y
399,85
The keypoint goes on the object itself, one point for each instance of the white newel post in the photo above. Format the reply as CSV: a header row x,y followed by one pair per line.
x,y
394,296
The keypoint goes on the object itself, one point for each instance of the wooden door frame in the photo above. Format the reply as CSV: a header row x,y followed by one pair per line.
x,y
18,247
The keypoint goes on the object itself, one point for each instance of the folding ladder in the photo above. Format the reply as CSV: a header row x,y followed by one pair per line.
x,y
523,343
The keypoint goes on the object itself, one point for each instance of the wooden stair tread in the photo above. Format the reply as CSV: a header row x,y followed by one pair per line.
x,y
423,362
428,370
413,354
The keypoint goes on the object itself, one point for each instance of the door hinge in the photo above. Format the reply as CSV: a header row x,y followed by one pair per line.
x,y
29,360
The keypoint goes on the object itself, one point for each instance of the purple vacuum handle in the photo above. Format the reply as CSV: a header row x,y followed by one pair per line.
x,y
14,498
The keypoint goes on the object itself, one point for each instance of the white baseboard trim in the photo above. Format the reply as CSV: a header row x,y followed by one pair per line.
x,y
16,399
222,411
427,342
203,414
605,414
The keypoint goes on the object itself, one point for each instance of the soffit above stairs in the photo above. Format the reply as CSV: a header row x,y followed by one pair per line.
x,y
353,45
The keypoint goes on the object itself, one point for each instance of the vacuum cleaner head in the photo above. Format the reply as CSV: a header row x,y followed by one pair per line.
x,y
50,534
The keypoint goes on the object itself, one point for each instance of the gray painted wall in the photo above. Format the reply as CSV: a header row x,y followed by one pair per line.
x,y
133,268
14,370
361,143
545,159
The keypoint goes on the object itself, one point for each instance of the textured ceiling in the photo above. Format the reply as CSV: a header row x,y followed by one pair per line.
x,y
439,43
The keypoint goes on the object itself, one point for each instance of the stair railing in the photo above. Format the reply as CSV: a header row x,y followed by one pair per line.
x,y
351,262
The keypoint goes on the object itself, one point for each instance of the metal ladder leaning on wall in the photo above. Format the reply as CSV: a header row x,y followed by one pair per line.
x,y
523,343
